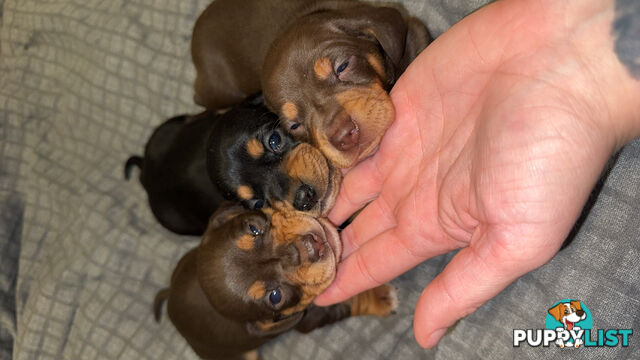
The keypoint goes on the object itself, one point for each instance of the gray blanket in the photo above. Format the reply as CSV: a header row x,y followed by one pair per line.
x,y
82,85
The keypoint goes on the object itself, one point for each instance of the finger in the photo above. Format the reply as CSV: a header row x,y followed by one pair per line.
x,y
359,186
470,279
376,262
373,220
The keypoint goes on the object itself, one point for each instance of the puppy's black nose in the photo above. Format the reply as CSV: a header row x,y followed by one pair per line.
x,y
305,198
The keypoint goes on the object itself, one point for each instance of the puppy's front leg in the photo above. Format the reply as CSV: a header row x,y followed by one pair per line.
x,y
380,301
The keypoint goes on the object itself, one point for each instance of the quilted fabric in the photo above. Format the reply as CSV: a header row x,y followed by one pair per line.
x,y
82,85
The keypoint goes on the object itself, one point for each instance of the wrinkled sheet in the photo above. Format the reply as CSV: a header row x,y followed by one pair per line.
x,y
82,85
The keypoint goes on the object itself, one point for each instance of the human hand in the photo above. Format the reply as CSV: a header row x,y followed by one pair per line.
x,y
502,127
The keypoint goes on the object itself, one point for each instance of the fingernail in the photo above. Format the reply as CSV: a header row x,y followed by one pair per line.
x,y
434,338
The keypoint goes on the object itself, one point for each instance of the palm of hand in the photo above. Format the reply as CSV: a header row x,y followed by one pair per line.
x,y
487,154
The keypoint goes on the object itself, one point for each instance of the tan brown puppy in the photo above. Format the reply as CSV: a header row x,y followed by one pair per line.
x,y
328,76
254,276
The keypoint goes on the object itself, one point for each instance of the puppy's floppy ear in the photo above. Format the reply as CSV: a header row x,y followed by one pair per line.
x,y
401,39
225,212
384,24
557,311
268,328
576,304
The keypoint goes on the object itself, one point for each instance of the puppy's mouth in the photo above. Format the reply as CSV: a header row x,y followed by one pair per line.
x,y
313,247
319,247
332,238
366,114
331,193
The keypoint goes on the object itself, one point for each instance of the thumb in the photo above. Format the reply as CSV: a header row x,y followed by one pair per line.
x,y
470,279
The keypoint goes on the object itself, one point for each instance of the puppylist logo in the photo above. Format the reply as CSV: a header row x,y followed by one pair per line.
x,y
569,325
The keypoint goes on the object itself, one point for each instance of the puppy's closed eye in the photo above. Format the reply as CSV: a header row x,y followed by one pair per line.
x,y
342,68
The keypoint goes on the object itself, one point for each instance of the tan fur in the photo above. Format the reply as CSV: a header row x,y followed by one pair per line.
x,y
245,192
576,304
322,142
372,108
255,148
323,68
304,302
376,63
380,301
290,110
257,290
286,225
557,311
266,325
308,165
245,242
313,279
252,355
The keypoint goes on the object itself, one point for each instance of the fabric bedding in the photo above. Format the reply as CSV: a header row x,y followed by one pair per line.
x,y
82,85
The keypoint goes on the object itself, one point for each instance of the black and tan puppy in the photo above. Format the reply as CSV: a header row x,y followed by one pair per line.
x,y
254,276
192,164
326,66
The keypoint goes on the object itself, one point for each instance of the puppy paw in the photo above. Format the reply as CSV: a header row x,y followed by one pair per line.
x,y
380,301
252,355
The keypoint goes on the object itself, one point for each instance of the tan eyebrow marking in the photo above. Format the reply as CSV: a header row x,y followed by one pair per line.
x,y
255,148
323,68
245,242
376,64
257,290
245,192
290,110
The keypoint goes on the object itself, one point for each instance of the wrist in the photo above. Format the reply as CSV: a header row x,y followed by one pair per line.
x,y
601,33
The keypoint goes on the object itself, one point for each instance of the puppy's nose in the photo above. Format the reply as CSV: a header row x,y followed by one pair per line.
x,y
580,312
305,198
346,134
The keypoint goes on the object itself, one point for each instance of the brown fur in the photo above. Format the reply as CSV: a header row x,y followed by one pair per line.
x,y
351,50
233,62
219,294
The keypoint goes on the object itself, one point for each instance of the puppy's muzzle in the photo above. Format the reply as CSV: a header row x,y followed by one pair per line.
x,y
312,247
346,133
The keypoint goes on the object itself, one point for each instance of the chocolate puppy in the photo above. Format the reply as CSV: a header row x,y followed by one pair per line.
x,y
326,66
254,276
328,75
194,163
